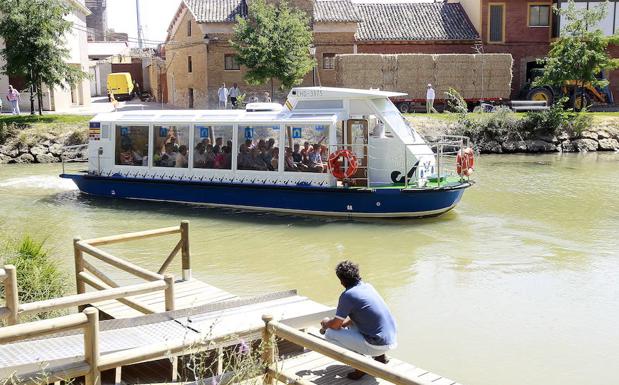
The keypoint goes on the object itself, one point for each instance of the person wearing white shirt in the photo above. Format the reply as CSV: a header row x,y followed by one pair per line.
x,y
222,94
430,95
234,94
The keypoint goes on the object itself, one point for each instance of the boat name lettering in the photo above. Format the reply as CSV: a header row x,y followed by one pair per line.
x,y
310,93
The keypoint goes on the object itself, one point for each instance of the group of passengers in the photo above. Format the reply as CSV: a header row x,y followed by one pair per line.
x,y
213,156
129,155
264,156
260,156
310,158
171,154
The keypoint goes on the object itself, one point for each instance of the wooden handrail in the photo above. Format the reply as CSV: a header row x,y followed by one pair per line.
x,y
91,297
55,373
11,293
170,257
88,279
340,354
133,236
41,328
119,263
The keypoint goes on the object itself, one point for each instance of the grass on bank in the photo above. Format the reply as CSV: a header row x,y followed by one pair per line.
x,y
32,129
39,277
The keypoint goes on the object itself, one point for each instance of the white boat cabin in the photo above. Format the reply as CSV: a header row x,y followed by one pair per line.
x,y
265,143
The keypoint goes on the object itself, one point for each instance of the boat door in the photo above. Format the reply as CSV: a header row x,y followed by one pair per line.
x,y
356,139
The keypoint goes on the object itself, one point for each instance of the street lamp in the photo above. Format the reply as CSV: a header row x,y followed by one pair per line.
x,y
312,51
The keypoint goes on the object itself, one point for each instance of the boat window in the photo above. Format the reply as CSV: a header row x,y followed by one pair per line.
x,y
171,146
213,147
307,148
259,148
132,145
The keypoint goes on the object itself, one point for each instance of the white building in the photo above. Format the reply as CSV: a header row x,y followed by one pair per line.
x,y
57,98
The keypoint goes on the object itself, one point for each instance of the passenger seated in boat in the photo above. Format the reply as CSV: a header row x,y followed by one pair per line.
x,y
227,156
219,158
274,166
362,322
257,161
219,142
315,160
210,156
244,160
168,157
182,160
199,156
305,152
126,155
296,155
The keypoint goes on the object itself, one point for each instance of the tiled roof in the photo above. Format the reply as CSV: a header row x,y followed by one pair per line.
x,y
335,11
414,21
217,11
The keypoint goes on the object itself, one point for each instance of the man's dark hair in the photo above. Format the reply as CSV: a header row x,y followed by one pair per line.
x,y
348,273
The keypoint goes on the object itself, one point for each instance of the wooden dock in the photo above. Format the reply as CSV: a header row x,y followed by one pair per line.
x,y
153,325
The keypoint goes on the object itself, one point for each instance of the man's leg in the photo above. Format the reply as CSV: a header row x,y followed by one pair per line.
x,y
351,339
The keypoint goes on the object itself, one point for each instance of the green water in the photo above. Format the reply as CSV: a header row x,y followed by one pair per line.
x,y
518,285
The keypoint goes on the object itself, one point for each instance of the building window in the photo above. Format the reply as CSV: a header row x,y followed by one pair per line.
x,y
190,97
188,27
328,61
231,63
496,23
189,64
539,15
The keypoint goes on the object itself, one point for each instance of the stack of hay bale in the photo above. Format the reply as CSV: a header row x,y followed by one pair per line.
x,y
473,76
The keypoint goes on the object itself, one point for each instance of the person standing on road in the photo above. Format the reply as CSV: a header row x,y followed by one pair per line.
x,y
430,95
362,322
13,98
234,94
222,94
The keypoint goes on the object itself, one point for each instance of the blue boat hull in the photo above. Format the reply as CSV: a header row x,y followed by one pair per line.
x,y
342,202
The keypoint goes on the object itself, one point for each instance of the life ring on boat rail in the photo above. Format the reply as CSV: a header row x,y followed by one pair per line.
x,y
465,162
336,161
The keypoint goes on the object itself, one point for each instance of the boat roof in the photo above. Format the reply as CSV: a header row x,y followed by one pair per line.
x,y
343,93
215,116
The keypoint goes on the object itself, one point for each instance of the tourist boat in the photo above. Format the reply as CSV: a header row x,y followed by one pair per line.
x,y
344,153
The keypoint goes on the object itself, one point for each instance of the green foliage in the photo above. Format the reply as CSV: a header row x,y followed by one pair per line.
x,y
273,42
34,33
579,54
38,276
489,125
548,122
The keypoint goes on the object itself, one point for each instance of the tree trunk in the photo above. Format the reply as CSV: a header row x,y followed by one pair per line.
x,y
272,90
40,99
32,99
582,95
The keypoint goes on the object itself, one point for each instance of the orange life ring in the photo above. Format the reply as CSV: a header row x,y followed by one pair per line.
x,y
335,164
465,162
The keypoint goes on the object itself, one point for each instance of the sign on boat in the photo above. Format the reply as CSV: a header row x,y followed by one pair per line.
x,y
327,151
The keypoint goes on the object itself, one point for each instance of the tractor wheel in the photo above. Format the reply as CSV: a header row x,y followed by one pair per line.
x,y
404,107
579,103
540,94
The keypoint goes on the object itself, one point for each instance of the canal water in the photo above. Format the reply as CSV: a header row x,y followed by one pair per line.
x,y
518,285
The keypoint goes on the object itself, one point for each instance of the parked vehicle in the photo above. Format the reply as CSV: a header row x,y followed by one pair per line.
x,y
120,85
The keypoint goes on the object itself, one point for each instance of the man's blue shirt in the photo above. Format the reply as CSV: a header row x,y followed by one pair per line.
x,y
369,313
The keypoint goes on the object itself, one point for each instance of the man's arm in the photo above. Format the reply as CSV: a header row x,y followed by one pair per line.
x,y
335,323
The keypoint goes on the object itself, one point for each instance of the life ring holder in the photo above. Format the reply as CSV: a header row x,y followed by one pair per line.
x,y
465,162
336,160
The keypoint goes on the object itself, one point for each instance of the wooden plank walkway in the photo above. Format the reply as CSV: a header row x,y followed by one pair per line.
x,y
209,321
322,370
187,295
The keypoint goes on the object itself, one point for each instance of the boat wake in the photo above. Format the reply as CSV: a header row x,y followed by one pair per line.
x,y
41,182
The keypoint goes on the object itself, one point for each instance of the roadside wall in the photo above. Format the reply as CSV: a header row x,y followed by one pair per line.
x,y
474,76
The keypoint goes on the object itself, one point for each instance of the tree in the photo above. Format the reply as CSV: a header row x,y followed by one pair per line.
x,y
580,54
273,43
34,33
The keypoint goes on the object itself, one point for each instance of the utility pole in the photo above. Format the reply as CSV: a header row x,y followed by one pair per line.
x,y
140,32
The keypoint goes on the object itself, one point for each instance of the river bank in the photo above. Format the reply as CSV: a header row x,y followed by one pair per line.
x,y
600,134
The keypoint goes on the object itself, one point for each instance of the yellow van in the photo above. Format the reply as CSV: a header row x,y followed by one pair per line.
x,y
120,85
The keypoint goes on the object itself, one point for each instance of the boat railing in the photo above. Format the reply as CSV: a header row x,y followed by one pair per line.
x,y
73,154
444,149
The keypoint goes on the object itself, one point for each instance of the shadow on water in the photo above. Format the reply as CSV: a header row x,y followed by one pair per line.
x,y
193,211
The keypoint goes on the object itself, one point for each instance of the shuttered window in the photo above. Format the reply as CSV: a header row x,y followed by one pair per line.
x,y
496,24
539,15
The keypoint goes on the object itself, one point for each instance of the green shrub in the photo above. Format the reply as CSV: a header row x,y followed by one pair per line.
x,y
38,276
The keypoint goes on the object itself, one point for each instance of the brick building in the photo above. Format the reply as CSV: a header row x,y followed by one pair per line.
x,y
199,57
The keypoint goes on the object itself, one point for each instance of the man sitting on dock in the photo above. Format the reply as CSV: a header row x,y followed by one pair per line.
x,y
362,322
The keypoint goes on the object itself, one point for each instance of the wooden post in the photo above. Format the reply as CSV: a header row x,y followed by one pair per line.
x,y
80,286
169,292
91,346
186,263
11,294
268,349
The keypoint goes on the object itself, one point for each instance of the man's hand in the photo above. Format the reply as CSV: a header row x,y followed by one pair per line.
x,y
331,323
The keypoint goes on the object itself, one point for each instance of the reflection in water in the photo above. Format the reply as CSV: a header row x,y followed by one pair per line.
x,y
514,286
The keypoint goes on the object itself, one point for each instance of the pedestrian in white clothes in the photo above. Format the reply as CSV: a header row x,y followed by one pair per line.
x,y
430,95
13,98
222,94
234,94
267,97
